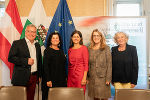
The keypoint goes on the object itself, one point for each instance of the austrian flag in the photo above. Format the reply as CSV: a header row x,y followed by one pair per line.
x,y
10,30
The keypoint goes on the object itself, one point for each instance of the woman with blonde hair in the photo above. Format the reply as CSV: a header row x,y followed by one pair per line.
x,y
100,67
124,63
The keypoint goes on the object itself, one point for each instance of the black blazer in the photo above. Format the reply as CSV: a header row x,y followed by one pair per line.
x,y
18,55
125,65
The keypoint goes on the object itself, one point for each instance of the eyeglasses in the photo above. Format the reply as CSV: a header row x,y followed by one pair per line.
x,y
94,36
76,37
29,31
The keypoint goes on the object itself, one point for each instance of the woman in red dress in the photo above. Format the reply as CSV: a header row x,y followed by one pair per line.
x,y
78,61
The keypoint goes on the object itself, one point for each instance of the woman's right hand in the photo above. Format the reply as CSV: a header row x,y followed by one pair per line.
x,y
49,83
132,85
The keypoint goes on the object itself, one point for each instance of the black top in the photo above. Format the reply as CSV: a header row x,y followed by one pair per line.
x,y
125,65
54,67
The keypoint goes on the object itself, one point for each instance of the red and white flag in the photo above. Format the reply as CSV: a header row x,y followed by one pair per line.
x,y
10,30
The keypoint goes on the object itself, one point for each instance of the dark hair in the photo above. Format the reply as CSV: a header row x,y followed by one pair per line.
x,y
50,38
80,34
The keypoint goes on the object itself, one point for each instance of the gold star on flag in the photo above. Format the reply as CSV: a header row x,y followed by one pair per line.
x,y
56,31
59,24
70,22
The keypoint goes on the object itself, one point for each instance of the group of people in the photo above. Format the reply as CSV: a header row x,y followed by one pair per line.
x,y
96,65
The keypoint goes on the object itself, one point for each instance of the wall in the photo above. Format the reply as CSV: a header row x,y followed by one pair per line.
x,y
77,7
146,9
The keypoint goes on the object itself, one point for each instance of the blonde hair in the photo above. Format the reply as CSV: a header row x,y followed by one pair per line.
x,y
102,41
116,35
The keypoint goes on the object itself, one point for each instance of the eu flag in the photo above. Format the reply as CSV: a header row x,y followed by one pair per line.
x,y
62,23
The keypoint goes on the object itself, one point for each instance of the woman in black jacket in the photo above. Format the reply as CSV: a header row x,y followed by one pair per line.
x,y
54,61
124,63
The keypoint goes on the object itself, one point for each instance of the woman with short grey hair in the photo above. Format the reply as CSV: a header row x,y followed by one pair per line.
x,y
124,63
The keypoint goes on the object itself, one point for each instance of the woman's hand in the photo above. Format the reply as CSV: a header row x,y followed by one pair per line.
x,y
132,85
49,83
107,83
83,82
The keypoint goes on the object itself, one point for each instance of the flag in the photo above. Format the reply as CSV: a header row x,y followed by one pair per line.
x,y
10,30
62,22
37,14
37,36
23,31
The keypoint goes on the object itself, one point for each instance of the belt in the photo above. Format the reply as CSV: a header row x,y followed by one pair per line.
x,y
34,73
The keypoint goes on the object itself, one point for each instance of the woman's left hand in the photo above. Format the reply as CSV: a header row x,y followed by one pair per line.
x,y
107,83
83,82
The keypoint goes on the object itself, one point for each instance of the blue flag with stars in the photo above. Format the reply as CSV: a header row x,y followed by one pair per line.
x,y
62,23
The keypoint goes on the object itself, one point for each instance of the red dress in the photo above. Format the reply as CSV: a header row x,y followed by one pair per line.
x,y
78,63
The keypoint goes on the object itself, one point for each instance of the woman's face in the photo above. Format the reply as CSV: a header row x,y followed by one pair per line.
x,y
121,39
55,40
76,38
96,37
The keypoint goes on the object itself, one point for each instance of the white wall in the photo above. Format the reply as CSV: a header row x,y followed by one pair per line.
x,y
146,9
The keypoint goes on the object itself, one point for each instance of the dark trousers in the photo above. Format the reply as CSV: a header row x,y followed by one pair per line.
x,y
45,94
31,85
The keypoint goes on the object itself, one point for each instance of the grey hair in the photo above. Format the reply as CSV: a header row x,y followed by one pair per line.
x,y
116,34
31,25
